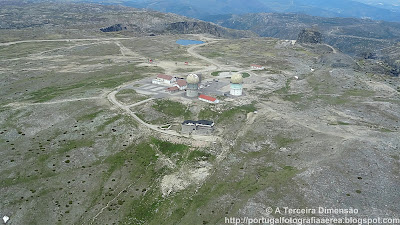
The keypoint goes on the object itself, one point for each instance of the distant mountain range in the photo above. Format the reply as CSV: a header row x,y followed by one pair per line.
x,y
387,10
230,19
39,19
385,4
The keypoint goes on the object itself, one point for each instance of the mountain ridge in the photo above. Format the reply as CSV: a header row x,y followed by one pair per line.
x,y
339,8
60,18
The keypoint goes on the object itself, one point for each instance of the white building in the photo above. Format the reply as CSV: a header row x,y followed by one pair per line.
x,y
256,67
163,79
236,84
192,89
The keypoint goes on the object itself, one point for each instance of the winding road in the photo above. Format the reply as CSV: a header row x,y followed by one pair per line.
x,y
111,97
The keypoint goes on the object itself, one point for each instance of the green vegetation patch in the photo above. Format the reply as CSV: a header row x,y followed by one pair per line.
x,y
143,154
102,49
293,97
172,108
171,150
333,100
149,205
90,116
109,77
108,122
25,49
210,114
285,89
74,144
283,141
186,70
129,96
340,123
207,114
213,54
244,75
49,93
216,73
260,179
359,93
385,130
228,114
20,178
199,155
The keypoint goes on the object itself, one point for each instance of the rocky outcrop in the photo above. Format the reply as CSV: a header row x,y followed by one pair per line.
x,y
309,36
114,28
200,27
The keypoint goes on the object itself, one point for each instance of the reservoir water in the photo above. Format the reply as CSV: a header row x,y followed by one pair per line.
x,y
188,42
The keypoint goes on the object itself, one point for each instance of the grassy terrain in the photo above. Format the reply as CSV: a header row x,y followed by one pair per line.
x,y
111,77
129,96
186,70
216,73
66,163
245,52
26,49
207,205
227,114
172,151
172,108
282,141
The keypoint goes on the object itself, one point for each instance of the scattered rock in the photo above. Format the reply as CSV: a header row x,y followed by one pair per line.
x,y
5,219
113,28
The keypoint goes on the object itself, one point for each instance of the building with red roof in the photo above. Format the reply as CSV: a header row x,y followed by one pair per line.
x,y
164,79
208,99
172,89
181,84
256,67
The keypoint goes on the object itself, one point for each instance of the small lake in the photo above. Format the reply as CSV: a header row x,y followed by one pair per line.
x,y
188,42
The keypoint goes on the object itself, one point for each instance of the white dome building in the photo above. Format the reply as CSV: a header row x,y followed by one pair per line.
x,y
192,89
236,84
192,79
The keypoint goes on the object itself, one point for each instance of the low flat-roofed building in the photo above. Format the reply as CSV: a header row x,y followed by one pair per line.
x,y
256,67
172,89
208,99
200,127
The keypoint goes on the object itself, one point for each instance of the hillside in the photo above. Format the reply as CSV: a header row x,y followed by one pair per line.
x,y
78,148
75,20
350,35
202,9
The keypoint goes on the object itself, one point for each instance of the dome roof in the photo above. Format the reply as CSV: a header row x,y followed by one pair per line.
x,y
237,78
192,79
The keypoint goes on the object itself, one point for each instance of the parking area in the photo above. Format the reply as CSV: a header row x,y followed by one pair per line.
x,y
214,87
145,87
